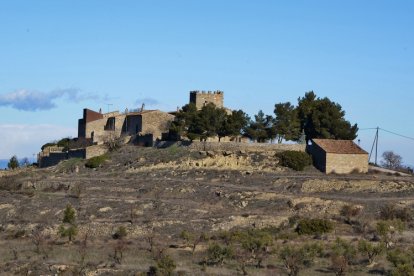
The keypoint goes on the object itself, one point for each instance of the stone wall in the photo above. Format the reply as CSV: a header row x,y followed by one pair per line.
x,y
346,163
100,130
94,151
201,98
156,123
252,147
53,158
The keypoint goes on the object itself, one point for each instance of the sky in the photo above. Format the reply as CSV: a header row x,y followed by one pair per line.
x,y
58,57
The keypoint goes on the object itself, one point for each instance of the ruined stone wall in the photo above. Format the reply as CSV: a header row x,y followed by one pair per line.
x,y
99,132
201,98
94,151
252,147
346,163
156,123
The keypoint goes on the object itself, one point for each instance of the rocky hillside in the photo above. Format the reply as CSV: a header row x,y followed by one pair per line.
x,y
192,212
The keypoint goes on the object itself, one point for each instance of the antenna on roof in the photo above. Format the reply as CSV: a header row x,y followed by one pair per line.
x,y
109,104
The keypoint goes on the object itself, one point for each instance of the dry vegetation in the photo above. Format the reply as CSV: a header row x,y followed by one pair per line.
x,y
146,211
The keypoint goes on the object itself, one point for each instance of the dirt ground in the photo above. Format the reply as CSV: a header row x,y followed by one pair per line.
x,y
156,194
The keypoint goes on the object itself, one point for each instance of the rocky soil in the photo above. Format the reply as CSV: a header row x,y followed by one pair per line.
x,y
159,193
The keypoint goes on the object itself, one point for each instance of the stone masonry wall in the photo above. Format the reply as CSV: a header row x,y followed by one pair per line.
x,y
252,147
98,127
200,98
96,150
156,123
346,163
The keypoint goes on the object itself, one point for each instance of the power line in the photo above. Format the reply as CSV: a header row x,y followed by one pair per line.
x,y
391,132
407,137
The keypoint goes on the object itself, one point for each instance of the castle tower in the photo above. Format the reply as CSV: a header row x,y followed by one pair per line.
x,y
201,98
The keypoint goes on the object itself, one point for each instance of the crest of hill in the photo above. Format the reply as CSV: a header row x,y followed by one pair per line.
x,y
339,146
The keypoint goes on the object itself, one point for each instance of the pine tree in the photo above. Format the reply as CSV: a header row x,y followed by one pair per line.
x,y
13,163
68,228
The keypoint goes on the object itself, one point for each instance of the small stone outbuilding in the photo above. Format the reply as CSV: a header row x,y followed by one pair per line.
x,y
338,156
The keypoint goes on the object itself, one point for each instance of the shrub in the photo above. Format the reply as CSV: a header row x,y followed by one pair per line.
x,y
388,229
390,212
218,254
349,211
96,161
343,253
120,233
399,257
296,160
51,144
64,143
371,250
314,226
192,240
166,265
296,257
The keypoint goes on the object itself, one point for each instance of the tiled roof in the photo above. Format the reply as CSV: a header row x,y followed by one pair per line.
x,y
339,146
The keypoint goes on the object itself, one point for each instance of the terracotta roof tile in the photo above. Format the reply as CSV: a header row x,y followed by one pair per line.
x,y
339,146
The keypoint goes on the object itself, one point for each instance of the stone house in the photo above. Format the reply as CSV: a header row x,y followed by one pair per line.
x,y
146,126
338,156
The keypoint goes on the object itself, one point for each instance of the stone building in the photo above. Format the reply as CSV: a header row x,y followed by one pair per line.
x,y
147,126
338,156
201,98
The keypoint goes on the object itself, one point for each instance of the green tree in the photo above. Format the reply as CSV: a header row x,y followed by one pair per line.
x,y
166,265
183,119
371,250
234,124
294,258
343,253
262,129
322,118
209,122
218,254
13,163
68,228
287,122
387,230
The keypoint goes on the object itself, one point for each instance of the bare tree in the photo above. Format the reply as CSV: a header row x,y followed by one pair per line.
x,y
391,160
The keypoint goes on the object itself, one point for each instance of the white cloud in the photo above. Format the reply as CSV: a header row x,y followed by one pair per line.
x,y
30,100
24,140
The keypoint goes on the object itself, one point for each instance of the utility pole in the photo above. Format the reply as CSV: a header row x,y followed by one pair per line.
x,y
375,144
376,148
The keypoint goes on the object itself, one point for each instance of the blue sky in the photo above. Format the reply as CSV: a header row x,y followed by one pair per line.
x,y
57,57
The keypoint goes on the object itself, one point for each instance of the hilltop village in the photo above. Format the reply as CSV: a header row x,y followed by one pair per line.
x,y
148,127
202,191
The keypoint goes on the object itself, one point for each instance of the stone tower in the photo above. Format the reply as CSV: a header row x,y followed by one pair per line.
x,y
201,98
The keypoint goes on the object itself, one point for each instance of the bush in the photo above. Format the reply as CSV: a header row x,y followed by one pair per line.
x,y
120,233
314,226
166,265
349,211
390,212
296,257
371,250
51,144
296,160
96,161
218,254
